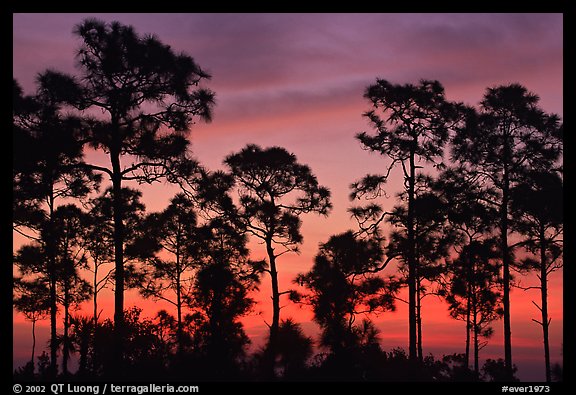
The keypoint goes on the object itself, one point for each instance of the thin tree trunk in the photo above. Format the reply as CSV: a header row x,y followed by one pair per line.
x,y
506,276
476,346
274,327
544,307
65,343
51,256
469,279
33,342
118,259
95,296
419,321
95,318
179,307
53,323
412,313
468,327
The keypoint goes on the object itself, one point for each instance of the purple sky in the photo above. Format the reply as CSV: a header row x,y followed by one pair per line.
x,y
296,80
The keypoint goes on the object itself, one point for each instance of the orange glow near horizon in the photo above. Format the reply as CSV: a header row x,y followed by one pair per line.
x,y
441,333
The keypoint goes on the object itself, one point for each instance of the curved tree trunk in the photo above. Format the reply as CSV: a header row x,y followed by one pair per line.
x,y
33,342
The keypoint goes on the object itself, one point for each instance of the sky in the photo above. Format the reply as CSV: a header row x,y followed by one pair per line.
x,y
296,81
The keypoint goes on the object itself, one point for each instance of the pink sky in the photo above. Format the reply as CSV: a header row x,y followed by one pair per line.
x,y
296,80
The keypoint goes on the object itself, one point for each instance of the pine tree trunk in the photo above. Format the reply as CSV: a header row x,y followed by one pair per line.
x,y
468,327
412,313
419,321
65,341
51,257
274,327
544,307
118,259
95,295
179,331
476,348
475,330
33,342
53,322
506,277
469,279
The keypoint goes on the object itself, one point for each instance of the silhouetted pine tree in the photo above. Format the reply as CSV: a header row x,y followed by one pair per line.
x,y
147,96
473,291
47,167
412,124
470,220
70,259
342,286
508,136
537,207
220,296
32,299
294,350
274,191
431,245
173,231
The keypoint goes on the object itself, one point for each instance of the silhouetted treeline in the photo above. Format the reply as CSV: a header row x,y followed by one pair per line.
x,y
481,197
151,354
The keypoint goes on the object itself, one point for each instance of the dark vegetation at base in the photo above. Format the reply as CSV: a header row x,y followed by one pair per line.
x,y
153,356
